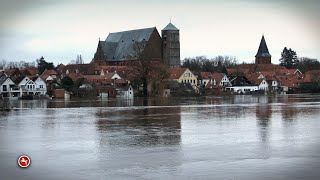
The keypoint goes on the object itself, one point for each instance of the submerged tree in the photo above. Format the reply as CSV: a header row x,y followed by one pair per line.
x,y
288,58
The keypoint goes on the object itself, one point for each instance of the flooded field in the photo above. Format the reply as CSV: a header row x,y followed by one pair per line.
x,y
240,137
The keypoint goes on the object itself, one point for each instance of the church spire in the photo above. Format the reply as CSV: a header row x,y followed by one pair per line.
x,y
170,26
263,49
263,56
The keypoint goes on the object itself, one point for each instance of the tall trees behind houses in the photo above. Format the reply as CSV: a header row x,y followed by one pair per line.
x,y
288,58
16,64
43,65
216,64
306,64
78,60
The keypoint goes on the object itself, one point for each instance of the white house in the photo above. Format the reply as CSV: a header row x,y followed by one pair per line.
x,y
216,80
273,83
41,85
243,89
126,92
263,85
28,86
7,87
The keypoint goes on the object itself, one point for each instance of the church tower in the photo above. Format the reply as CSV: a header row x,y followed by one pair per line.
x,y
263,56
171,46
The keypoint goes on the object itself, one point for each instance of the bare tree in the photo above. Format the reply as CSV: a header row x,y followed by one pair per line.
x,y
78,60
12,65
3,64
145,70
202,63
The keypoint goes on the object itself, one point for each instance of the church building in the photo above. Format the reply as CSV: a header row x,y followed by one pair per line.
x,y
122,47
263,56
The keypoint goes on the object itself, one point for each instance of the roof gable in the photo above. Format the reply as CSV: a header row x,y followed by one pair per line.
x,y
119,45
176,73
3,79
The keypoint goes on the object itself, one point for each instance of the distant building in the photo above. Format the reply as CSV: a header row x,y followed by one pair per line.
x,y
263,56
120,48
171,45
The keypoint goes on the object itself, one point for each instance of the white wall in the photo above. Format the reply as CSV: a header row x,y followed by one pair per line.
x,y
243,88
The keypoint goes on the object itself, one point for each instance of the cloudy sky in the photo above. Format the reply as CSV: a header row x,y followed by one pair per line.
x,y
61,29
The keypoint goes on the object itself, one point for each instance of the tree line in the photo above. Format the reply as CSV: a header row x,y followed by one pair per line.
x,y
204,64
40,63
290,60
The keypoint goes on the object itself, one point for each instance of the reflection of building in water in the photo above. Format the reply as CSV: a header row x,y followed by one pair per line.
x,y
263,115
289,113
116,102
244,99
59,103
139,126
29,104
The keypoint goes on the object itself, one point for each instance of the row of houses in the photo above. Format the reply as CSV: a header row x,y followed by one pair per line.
x,y
107,81
246,78
112,81
104,82
15,83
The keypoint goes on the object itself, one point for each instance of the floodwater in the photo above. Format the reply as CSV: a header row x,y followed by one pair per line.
x,y
240,137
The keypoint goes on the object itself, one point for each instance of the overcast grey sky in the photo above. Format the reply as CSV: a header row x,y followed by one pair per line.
x,y
61,29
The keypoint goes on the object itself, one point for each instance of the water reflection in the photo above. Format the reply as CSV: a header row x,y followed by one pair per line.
x,y
139,126
289,113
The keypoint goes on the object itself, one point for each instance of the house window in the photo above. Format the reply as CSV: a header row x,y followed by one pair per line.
x,y
4,88
41,86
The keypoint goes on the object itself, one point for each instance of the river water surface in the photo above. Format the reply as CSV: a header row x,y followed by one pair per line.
x,y
240,137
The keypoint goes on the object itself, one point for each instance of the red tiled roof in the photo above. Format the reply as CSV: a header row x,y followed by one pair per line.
x,y
75,76
290,81
85,69
268,73
253,77
47,73
30,71
176,73
271,78
217,77
269,67
98,78
205,75
311,76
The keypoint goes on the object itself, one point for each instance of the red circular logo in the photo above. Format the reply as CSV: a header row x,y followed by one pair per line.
x,y
24,161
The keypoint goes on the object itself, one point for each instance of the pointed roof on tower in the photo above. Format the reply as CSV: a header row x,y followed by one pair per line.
x,y
263,49
170,26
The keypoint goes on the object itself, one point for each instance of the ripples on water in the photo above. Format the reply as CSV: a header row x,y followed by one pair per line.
x,y
240,137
